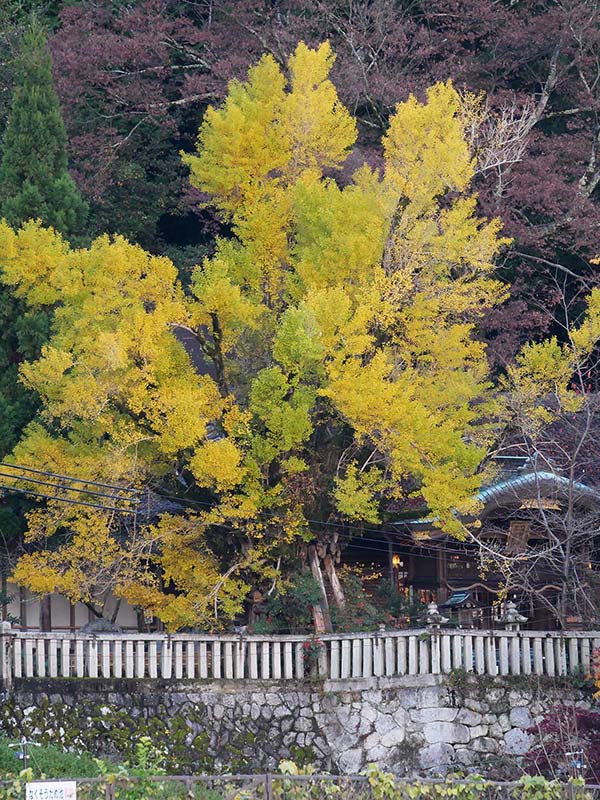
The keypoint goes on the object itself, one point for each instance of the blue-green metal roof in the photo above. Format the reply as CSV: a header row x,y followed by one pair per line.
x,y
536,484
522,487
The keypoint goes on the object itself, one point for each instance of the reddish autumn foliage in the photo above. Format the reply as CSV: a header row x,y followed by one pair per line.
x,y
566,737
134,80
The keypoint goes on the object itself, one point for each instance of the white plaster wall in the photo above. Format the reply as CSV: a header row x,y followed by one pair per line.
x,y
28,611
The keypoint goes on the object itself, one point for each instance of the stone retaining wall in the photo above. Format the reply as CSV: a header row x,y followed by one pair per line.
x,y
417,724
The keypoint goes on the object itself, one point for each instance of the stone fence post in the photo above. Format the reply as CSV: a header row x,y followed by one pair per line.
x,y
6,648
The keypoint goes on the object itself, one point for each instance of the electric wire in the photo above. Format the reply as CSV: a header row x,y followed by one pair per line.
x,y
357,541
361,529
354,540
436,545
64,488
132,494
68,477
68,500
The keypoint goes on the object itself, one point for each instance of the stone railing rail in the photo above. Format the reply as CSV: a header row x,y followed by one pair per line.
x,y
33,654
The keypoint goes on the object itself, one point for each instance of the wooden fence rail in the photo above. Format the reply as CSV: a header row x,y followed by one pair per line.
x,y
293,658
277,786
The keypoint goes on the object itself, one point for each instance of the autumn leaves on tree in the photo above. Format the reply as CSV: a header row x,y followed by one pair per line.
x,y
331,366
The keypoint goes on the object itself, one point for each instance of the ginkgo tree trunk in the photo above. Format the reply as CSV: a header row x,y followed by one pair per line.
x,y
336,330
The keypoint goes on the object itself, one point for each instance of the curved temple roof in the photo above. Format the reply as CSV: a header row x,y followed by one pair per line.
x,y
535,485
515,490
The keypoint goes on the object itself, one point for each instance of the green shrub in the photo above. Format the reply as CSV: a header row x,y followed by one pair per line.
x,y
291,608
10,764
51,762
405,613
359,612
55,763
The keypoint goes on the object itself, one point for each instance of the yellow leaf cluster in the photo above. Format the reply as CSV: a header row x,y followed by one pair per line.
x,y
338,321
121,404
266,137
364,309
426,150
551,369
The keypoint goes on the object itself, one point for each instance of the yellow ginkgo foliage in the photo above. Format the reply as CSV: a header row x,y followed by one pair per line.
x,y
335,326
121,404
361,317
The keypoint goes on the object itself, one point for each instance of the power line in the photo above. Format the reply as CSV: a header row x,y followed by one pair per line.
x,y
69,478
29,492
57,482
357,541
63,487
135,494
435,545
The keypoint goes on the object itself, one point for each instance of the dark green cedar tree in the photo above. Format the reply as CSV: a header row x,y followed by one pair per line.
x,y
34,184
34,180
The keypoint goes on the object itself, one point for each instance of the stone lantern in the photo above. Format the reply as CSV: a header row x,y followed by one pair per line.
x,y
432,617
510,618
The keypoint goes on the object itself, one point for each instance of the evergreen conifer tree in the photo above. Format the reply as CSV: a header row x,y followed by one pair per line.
x,y
34,184
34,181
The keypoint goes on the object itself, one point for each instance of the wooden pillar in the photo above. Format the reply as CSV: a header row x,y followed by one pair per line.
x,y
6,661
391,564
442,569
65,659
378,661
346,668
402,655
22,607
322,619
4,594
46,613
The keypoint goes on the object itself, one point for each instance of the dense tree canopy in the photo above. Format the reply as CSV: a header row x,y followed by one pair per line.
x,y
351,341
134,77
336,331
34,182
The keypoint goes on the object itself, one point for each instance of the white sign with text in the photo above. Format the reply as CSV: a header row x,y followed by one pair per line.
x,y
51,790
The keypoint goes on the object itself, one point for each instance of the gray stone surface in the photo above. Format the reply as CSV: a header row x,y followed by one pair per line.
x,y
477,731
520,717
467,717
351,761
517,742
434,715
437,756
465,756
394,737
411,724
385,723
448,732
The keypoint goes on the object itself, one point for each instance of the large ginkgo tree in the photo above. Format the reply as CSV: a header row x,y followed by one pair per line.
x,y
330,364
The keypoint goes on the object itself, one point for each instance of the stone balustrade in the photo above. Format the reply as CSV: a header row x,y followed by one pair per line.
x,y
333,657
